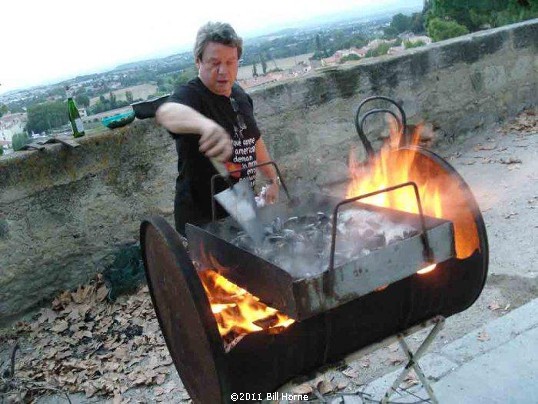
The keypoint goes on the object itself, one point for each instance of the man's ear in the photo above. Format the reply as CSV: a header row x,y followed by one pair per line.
x,y
198,62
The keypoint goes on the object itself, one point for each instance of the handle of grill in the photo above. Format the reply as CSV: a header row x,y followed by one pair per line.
x,y
359,122
427,251
231,173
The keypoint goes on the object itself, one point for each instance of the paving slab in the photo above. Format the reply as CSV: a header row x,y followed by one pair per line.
x,y
497,363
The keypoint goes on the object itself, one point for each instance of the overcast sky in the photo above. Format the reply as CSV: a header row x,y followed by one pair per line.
x,y
43,41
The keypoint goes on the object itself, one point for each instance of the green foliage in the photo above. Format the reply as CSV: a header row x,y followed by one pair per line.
x,y
129,96
1,150
439,29
254,70
82,100
379,51
350,57
478,14
46,116
401,23
3,110
18,141
413,44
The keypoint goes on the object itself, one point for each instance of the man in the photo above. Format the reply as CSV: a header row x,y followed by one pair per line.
x,y
211,117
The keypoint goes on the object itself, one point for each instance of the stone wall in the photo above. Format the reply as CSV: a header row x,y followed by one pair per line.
x,y
65,212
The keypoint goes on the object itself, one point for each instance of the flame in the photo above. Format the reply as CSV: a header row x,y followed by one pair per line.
x,y
238,312
438,190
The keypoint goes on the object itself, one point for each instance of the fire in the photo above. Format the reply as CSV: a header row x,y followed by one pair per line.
x,y
438,191
238,312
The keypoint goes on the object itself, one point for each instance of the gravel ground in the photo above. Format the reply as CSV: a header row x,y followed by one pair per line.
x,y
501,166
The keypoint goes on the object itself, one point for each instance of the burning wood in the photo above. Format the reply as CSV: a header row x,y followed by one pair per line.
x,y
238,312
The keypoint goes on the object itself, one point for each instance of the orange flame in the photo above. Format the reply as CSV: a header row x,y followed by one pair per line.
x,y
238,312
438,191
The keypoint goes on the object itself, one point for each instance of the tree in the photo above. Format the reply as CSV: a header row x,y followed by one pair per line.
x,y
401,23
3,110
263,63
46,116
254,70
83,100
18,141
129,96
439,29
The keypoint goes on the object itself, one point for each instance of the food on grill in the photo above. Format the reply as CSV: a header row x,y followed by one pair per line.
x,y
301,244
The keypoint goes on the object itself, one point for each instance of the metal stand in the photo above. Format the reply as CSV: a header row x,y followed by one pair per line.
x,y
413,358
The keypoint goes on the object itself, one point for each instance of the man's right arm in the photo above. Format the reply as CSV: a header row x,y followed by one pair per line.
x,y
181,119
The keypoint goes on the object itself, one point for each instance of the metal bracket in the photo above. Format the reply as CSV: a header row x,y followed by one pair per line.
x,y
427,251
413,358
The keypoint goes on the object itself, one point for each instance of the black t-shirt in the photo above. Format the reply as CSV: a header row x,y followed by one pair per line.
x,y
236,115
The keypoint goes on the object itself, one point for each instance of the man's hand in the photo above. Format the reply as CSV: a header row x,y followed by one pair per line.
x,y
271,193
215,142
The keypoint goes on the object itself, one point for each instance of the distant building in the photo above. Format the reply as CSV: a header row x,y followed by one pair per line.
x,y
11,124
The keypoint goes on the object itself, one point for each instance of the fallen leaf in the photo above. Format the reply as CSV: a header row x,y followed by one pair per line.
x,y
507,307
304,388
102,293
60,326
494,306
350,372
395,360
510,160
325,387
483,336
410,381
342,385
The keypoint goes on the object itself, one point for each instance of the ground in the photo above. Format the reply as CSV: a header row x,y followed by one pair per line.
x,y
96,351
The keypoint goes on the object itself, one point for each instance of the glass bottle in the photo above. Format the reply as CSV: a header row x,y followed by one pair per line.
x,y
74,115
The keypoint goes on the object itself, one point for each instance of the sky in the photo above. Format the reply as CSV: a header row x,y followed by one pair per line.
x,y
45,41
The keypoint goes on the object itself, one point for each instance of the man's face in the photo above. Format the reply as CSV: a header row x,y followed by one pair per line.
x,y
218,68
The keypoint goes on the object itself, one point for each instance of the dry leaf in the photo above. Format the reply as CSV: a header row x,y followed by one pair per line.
x,y
102,293
483,336
60,326
507,307
395,360
410,381
494,306
324,387
304,388
350,372
342,385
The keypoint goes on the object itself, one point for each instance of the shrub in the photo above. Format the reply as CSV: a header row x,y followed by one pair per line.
x,y
415,44
439,29
19,140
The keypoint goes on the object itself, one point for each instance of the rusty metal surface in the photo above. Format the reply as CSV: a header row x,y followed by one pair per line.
x,y
303,297
184,313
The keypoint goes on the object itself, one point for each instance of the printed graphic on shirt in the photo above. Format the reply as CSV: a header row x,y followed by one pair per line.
x,y
245,155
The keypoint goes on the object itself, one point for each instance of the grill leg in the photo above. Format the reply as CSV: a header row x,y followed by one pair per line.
x,y
413,361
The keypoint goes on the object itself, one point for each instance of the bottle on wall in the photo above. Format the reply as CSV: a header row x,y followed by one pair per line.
x,y
74,115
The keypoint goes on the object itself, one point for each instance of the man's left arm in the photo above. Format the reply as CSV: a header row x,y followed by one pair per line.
x,y
268,171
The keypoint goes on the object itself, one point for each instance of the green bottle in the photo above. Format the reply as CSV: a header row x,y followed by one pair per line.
x,y
74,115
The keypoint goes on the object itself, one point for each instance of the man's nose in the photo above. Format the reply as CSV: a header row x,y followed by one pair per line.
x,y
223,69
